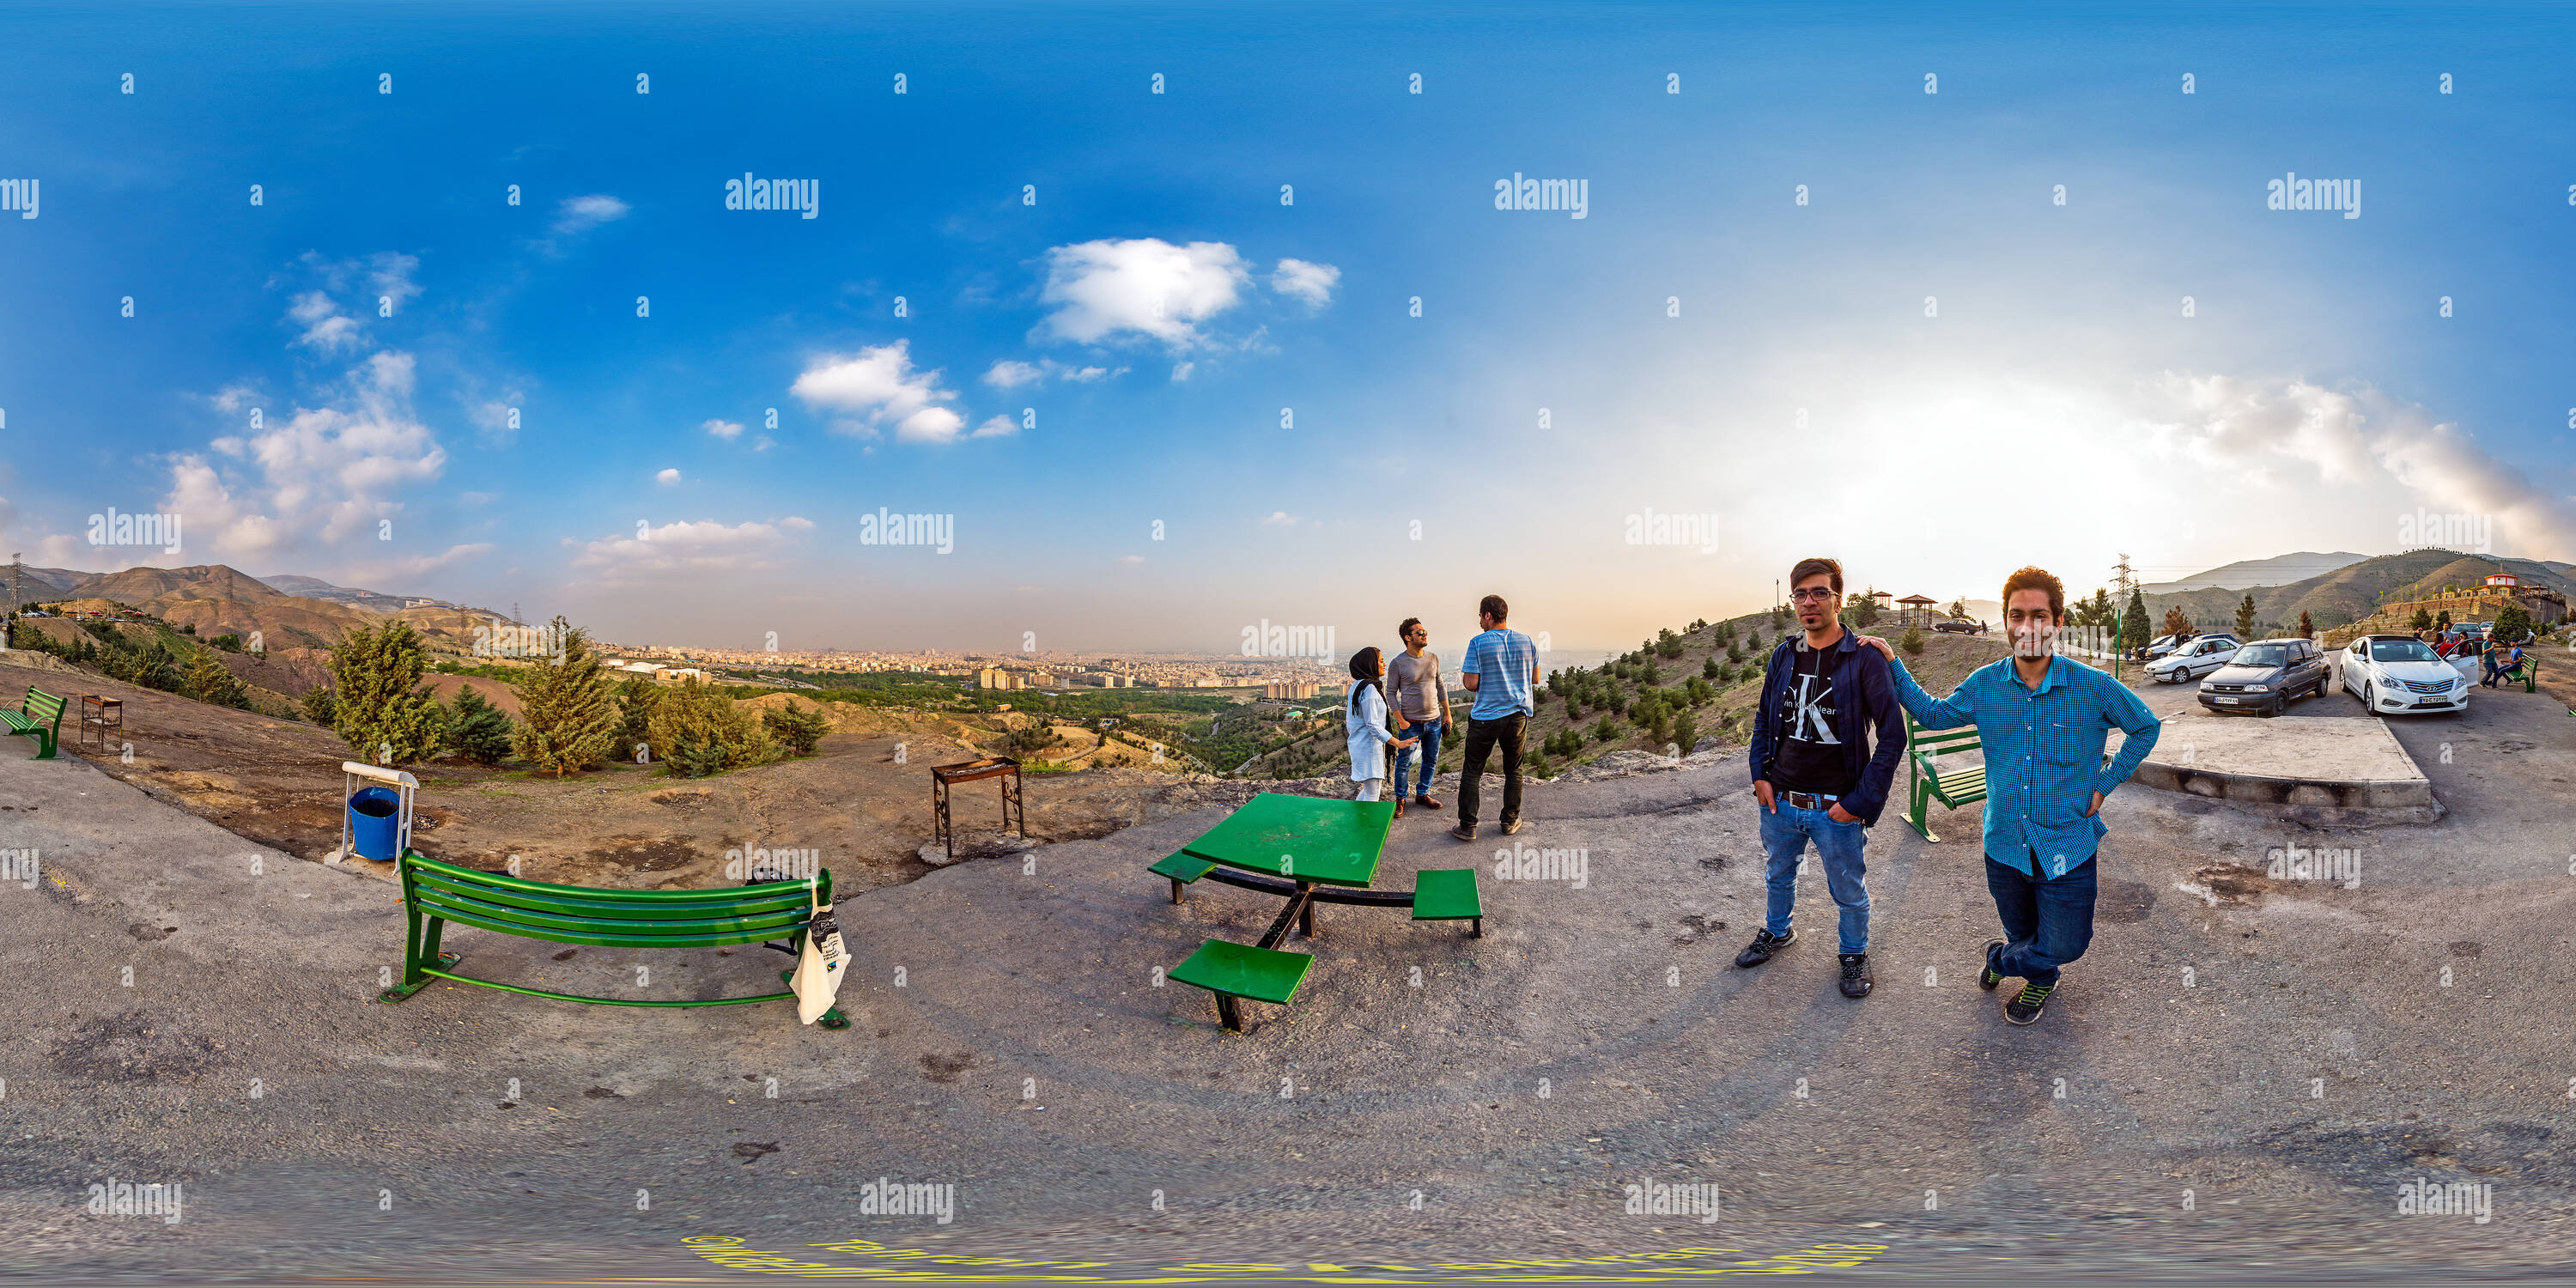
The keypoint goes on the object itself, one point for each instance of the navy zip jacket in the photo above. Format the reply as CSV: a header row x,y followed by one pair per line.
x,y
1856,670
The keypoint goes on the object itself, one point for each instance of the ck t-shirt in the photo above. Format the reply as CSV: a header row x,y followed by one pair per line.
x,y
1810,756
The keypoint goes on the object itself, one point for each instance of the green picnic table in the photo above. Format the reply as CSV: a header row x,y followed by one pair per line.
x,y
1305,850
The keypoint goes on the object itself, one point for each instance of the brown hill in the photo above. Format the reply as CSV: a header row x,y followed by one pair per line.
x,y
2347,595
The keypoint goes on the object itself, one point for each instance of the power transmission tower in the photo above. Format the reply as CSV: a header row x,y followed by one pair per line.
x,y
2127,578
516,620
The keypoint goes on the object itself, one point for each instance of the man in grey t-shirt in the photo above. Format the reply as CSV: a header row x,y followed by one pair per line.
x,y
1421,707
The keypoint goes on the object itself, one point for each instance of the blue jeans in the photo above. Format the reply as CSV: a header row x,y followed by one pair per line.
x,y
1785,835
1426,755
2046,923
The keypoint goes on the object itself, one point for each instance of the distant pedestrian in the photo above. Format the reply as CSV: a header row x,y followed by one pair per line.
x,y
1364,719
1502,671
1422,709
2499,661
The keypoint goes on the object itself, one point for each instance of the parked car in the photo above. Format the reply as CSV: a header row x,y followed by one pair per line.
x,y
2194,659
2158,647
1956,626
2266,676
2399,675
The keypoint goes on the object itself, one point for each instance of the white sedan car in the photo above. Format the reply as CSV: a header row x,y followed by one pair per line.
x,y
2399,675
2193,660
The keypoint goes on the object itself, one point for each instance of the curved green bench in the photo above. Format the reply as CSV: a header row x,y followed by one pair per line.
x,y
435,893
39,717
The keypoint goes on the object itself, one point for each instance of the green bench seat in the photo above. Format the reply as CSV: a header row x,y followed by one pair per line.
x,y
435,893
2527,670
1448,894
1927,784
1182,868
39,716
1232,970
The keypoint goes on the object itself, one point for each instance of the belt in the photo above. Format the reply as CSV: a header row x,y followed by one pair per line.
x,y
1809,800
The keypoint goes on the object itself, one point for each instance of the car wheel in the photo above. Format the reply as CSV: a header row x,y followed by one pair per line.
x,y
2366,703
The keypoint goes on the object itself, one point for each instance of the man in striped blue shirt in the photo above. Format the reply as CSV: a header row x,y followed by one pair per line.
x,y
1502,671
2042,722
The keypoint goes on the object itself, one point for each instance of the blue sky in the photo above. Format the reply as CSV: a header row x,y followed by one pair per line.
x,y
1163,306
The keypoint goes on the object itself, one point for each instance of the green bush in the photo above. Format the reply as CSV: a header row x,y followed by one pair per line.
x,y
1709,669
799,727
382,717
1911,641
228,642
1685,731
209,681
479,731
567,720
708,724
318,706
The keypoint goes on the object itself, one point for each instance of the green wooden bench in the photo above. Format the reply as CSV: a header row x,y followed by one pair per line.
x,y
39,717
1448,894
1232,970
1265,974
2527,670
1926,783
435,893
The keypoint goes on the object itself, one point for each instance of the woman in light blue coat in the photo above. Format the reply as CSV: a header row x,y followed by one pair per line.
x,y
1364,717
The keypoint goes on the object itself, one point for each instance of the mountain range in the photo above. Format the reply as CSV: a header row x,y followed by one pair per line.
x,y
2245,574
2349,593
288,611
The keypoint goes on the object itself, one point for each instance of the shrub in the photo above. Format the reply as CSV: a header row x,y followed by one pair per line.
x,y
2512,624
635,698
479,731
708,724
209,681
228,642
1606,731
1911,641
567,720
1753,640
319,707
799,727
1685,731
383,718
1709,669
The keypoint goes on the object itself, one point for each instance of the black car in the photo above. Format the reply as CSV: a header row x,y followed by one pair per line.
x,y
1954,626
2266,676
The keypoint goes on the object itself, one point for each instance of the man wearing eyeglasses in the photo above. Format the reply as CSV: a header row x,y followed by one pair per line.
x,y
1814,769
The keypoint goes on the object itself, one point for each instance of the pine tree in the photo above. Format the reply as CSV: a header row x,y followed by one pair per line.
x,y
1911,641
210,681
377,710
2133,625
635,698
707,726
2307,629
319,707
797,726
477,730
566,719
2245,617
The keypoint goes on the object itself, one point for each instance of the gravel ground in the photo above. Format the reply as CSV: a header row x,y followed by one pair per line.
x,y
2236,1081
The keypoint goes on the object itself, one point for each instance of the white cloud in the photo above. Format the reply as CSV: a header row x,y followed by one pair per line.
x,y
325,327
1181,371
1312,283
1131,559
997,427
705,546
326,470
425,564
1147,286
929,425
879,385
581,214
796,523
1279,519
2264,429
1010,373
724,429
668,478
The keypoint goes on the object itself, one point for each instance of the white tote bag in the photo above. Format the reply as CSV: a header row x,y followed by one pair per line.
x,y
818,965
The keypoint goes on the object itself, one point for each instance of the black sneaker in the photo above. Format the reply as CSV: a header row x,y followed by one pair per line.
x,y
1764,944
2024,1007
1856,977
1989,977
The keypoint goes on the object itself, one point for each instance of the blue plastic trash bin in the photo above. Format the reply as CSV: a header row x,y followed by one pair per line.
x,y
374,822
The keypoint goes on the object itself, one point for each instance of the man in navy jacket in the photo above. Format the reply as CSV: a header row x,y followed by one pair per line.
x,y
1815,770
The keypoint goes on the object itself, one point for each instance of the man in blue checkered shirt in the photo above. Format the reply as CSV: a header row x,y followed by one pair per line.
x,y
2042,721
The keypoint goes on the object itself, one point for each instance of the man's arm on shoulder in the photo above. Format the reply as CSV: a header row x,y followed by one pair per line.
x,y
1880,708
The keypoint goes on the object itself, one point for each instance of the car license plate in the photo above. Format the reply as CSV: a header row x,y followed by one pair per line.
x,y
2229,701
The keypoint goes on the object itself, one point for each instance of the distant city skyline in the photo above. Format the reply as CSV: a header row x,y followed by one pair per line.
x,y
1138,328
